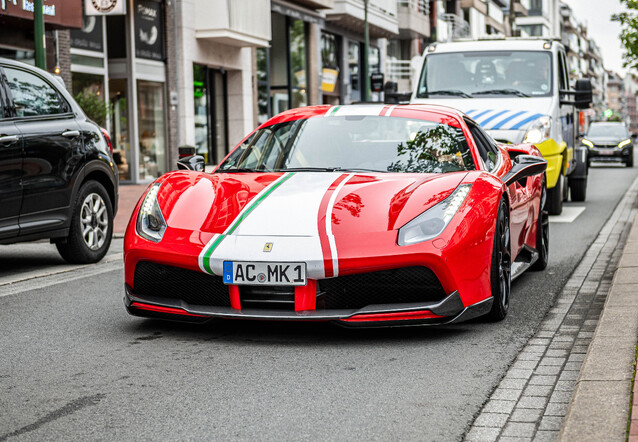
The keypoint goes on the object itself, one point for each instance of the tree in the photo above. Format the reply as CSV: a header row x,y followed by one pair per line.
x,y
629,32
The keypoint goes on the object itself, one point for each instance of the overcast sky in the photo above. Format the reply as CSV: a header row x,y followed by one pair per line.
x,y
596,14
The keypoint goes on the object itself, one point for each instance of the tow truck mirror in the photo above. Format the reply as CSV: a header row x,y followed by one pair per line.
x,y
583,97
525,166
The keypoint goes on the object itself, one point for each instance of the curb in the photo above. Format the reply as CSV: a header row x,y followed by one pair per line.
x,y
599,406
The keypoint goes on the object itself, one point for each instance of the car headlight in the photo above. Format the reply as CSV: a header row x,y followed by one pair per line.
x,y
539,131
623,144
150,221
433,221
588,143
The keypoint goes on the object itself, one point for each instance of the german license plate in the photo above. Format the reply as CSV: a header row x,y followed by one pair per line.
x,y
606,152
264,273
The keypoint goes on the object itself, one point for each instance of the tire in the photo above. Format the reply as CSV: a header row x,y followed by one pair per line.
x,y
630,161
501,266
578,188
555,197
542,234
93,214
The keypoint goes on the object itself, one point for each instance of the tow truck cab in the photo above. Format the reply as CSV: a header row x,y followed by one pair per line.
x,y
518,91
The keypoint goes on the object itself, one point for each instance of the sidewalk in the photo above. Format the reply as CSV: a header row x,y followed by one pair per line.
x,y
601,403
573,379
129,195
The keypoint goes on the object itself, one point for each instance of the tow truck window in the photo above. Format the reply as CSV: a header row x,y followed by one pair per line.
x,y
493,73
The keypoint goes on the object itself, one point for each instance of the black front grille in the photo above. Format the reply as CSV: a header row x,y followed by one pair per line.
x,y
195,288
408,284
267,297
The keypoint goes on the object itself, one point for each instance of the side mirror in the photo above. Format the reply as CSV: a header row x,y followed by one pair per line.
x,y
189,160
583,97
634,136
193,162
525,166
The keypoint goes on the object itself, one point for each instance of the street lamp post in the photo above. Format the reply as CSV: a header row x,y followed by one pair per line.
x,y
366,49
40,43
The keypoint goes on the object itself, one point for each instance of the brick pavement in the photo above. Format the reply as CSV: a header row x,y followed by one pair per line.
x,y
128,196
532,399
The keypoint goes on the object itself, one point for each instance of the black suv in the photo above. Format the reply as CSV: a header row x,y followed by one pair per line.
x,y
58,179
609,141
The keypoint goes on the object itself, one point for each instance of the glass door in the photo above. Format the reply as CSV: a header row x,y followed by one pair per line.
x,y
151,129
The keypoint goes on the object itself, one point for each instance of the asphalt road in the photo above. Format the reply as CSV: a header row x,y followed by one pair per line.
x,y
75,365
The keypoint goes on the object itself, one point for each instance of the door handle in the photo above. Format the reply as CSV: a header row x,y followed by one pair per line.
x,y
9,138
71,133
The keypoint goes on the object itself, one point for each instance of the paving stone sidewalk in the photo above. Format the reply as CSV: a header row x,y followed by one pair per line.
x,y
533,397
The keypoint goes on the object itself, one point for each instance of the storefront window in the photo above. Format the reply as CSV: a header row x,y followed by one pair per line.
x,y
298,62
118,95
151,129
286,64
200,95
353,65
263,103
330,68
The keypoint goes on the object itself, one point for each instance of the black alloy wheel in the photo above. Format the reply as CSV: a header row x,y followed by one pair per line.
x,y
501,270
542,233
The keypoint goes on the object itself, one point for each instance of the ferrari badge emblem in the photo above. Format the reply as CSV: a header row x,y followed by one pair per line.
x,y
268,247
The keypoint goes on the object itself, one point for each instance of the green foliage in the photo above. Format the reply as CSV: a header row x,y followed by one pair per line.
x,y
629,32
93,106
615,118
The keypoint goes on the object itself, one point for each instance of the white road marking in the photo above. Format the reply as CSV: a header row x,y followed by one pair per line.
x,y
570,213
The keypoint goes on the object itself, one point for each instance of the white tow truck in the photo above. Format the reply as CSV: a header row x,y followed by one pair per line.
x,y
518,91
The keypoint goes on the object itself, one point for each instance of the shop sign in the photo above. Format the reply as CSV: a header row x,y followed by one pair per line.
x,y
329,78
149,38
297,14
105,7
376,82
66,13
90,36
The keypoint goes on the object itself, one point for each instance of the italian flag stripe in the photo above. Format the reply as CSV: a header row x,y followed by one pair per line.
x,y
233,226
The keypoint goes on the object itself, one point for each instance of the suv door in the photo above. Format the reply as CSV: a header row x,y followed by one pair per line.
x,y
52,149
10,167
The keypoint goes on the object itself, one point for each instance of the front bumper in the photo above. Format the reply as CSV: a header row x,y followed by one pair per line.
x,y
449,310
610,154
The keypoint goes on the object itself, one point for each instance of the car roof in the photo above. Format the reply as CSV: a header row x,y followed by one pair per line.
x,y
607,123
364,110
490,45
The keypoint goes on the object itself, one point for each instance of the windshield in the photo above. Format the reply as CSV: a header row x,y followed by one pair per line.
x,y
477,74
607,131
354,143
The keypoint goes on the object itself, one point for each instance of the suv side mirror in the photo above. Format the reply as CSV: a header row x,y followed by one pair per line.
x,y
188,160
525,166
583,97
634,136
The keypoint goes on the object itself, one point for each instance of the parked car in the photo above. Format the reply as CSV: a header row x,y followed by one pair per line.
x,y
58,179
609,141
364,215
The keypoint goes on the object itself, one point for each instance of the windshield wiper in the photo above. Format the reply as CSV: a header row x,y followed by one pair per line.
x,y
239,170
455,92
329,169
502,91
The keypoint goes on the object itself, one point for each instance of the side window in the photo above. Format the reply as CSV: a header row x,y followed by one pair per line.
x,y
486,147
32,96
562,72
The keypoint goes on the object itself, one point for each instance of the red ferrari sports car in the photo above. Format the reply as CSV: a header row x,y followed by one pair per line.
x,y
364,215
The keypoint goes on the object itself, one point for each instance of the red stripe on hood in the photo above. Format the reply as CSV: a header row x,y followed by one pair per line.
x,y
321,222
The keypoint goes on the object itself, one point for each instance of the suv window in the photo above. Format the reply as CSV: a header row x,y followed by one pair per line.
x,y
32,96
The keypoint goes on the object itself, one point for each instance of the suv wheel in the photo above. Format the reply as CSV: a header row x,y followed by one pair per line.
x,y
91,226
